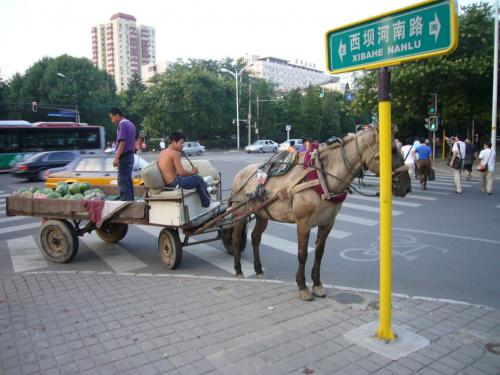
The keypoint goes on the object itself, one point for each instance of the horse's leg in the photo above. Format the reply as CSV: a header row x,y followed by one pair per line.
x,y
238,227
323,232
260,227
303,232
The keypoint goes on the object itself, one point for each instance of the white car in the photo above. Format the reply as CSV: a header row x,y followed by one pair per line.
x,y
263,145
284,146
193,148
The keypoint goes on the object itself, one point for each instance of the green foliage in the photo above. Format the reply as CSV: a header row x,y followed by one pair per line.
x,y
462,80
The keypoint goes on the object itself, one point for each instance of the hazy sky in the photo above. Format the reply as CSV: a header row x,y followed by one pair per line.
x,y
289,29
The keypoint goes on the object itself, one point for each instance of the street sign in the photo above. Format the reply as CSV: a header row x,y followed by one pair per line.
x,y
288,128
417,32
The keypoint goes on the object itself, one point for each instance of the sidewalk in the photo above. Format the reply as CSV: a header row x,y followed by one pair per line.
x,y
103,323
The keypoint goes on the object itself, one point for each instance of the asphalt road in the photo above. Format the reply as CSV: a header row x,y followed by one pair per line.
x,y
445,245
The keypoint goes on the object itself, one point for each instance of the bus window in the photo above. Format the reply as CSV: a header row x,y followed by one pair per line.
x,y
8,140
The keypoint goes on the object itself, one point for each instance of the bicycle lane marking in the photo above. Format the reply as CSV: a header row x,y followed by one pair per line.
x,y
454,236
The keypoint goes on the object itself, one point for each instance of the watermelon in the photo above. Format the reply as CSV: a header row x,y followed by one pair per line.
x,y
74,188
22,190
34,189
84,186
39,195
88,192
47,191
76,196
62,188
67,196
53,195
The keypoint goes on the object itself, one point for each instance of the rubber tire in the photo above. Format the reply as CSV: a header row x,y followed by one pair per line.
x,y
54,231
170,248
112,232
41,175
227,240
199,153
261,150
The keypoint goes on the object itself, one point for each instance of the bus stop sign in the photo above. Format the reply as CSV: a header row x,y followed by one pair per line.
x,y
417,32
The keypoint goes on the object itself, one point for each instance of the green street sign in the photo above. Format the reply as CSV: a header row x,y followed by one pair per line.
x,y
417,32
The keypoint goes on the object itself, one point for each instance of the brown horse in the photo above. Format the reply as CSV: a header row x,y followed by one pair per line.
x,y
341,163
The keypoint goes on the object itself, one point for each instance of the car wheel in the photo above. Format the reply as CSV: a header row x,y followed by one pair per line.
x,y
41,175
199,153
261,150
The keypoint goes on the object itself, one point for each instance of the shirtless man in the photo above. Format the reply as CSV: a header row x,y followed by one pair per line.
x,y
174,174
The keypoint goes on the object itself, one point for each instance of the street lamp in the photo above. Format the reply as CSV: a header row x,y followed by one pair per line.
x,y
236,75
77,114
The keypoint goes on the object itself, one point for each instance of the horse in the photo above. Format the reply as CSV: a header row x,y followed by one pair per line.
x,y
340,163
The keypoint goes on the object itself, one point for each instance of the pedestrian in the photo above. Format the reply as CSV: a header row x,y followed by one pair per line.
x,y
487,157
458,153
424,162
408,153
162,144
398,143
291,148
416,144
124,158
470,156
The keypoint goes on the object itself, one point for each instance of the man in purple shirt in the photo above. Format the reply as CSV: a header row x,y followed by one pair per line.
x,y
124,159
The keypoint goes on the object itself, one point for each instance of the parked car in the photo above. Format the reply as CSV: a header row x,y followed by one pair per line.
x,y
284,146
263,145
193,148
35,166
94,169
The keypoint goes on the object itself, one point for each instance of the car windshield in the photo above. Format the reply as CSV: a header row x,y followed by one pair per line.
x,y
258,143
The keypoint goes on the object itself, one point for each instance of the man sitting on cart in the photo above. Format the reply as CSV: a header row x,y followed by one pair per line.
x,y
174,174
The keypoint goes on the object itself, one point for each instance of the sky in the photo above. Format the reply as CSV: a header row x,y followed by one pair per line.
x,y
205,29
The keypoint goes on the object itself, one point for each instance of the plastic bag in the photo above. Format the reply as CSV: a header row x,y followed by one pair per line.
x,y
261,177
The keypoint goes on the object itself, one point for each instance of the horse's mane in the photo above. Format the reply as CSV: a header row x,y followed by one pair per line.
x,y
345,140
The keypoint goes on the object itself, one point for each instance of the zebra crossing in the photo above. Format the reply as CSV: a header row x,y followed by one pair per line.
x,y
20,234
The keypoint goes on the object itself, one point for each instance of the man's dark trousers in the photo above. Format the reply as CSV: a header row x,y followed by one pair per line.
x,y
125,177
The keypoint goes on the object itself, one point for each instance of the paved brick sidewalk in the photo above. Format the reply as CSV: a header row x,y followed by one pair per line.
x,y
103,323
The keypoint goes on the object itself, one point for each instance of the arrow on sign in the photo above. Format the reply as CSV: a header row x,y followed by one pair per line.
x,y
435,27
342,50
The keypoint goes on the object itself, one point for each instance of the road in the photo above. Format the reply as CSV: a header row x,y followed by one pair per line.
x,y
445,245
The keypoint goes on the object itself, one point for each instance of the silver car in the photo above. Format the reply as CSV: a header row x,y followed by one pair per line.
x,y
263,145
193,148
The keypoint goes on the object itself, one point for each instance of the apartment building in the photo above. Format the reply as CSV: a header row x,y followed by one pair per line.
x,y
121,47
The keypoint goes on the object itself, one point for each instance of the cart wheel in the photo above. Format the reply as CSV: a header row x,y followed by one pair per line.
x,y
59,240
170,248
227,240
112,232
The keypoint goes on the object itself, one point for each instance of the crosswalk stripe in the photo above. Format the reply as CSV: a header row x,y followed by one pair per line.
x,y
335,233
368,209
2,191
280,244
25,255
216,257
115,256
416,190
4,195
356,220
19,228
450,183
498,206
424,198
12,218
377,200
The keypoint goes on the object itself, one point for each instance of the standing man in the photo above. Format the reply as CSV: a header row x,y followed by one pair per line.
x,y
458,152
408,153
470,156
124,158
487,157
174,174
424,162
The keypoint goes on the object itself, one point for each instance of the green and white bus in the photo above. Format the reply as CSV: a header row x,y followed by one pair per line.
x,y
20,139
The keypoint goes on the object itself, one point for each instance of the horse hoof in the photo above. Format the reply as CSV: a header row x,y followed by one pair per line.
x,y
239,276
305,295
259,276
319,291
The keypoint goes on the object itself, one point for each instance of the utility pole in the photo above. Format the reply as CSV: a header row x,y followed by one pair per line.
x,y
249,114
256,120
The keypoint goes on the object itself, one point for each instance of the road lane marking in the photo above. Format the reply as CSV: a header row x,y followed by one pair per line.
x,y
356,220
280,244
212,255
454,236
413,196
12,218
19,228
368,208
334,233
115,256
25,254
377,200
4,195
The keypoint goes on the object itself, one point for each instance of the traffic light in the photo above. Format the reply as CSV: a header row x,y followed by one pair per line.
x,y
34,106
432,104
433,123
321,92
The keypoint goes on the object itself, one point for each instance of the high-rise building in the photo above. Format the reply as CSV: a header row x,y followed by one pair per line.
x,y
286,75
121,47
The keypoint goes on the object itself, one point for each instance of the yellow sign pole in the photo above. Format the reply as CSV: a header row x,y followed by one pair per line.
x,y
384,330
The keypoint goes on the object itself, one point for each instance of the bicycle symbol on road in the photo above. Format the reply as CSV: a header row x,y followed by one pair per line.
x,y
403,245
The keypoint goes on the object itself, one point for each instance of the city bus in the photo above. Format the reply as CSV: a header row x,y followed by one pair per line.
x,y
20,139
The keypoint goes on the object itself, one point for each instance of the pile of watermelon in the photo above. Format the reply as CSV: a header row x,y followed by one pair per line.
x,y
74,191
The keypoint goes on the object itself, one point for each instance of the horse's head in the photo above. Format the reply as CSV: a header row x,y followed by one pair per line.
x,y
401,181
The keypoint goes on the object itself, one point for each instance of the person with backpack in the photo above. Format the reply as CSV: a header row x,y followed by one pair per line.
x,y
408,153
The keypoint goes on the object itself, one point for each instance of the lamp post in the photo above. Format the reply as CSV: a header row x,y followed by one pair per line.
x,y
236,75
77,114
